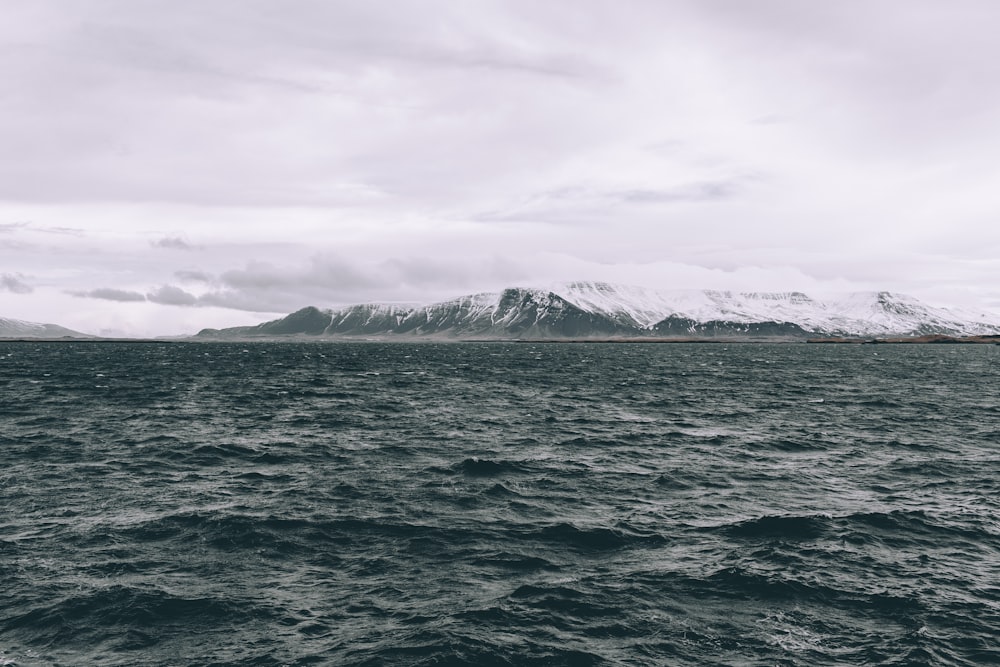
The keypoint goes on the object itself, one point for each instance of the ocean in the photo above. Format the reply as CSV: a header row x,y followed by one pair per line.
x,y
499,504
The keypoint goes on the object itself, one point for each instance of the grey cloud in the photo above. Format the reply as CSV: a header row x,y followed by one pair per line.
x,y
234,299
578,205
69,231
332,280
110,294
194,276
695,192
172,296
423,274
264,287
545,65
255,303
332,272
12,282
210,41
172,242
10,227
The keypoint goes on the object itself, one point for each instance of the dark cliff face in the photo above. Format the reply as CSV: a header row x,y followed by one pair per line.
x,y
530,313
453,316
363,319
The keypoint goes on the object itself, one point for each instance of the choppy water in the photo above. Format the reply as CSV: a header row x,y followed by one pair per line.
x,y
499,504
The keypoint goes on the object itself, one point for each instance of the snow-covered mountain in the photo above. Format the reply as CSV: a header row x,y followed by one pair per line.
x,y
854,314
20,329
593,309
515,312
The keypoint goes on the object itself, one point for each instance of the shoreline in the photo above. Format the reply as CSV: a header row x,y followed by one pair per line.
x,y
777,340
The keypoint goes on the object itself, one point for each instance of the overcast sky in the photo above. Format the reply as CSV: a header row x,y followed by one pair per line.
x,y
167,165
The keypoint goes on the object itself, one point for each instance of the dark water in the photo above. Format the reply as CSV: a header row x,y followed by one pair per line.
x,y
499,504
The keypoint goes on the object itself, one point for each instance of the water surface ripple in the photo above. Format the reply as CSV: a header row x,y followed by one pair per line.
x,y
499,504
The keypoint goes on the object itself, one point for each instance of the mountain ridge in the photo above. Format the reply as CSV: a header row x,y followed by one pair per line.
x,y
602,310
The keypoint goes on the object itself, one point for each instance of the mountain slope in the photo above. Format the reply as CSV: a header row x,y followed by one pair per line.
x,y
582,310
10,328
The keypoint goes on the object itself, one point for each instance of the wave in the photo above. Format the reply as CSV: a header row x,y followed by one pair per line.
x,y
893,528
100,614
277,537
592,539
501,491
677,480
507,560
436,647
477,467
783,444
779,527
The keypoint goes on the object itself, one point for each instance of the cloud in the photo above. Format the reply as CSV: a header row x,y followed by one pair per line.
x,y
173,243
408,151
110,294
253,302
194,276
329,280
695,192
332,272
588,204
66,231
179,106
172,296
10,227
12,282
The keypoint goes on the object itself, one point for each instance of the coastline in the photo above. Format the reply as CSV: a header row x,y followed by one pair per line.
x,y
936,339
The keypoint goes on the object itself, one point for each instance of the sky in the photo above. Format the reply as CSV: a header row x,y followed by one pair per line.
x,y
170,165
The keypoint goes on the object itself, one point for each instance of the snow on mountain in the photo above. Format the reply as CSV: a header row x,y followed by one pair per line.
x,y
527,312
10,328
886,313
596,309
645,307
627,304
855,314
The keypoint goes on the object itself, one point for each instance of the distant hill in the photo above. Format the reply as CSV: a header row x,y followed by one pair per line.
x,y
604,310
21,329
